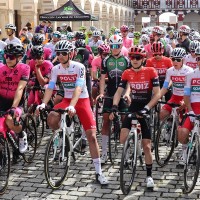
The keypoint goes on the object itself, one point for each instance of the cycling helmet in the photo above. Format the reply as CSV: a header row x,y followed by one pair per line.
x,y
124,28
63,37
169,28
144,31
103,48
96,33
37,51
80,43
136,51
14,49
145,37
178,53
115,39
80,35
89,32
197,51
37,39
157,29
196,36
10,26
157,47
193,45
184,29
70,35
64,46
93,28
117,31
57,34
82,28
137,34
112,29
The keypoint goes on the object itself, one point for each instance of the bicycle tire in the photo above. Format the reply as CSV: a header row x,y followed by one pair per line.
x,y
113,142
54,149
30,129
160,139
5,164
99,122
187,188
126,183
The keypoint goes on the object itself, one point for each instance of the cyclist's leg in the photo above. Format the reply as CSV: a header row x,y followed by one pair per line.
x,y
126,127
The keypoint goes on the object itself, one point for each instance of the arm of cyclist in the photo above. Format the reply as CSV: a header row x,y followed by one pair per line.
x,y
102,85
126,96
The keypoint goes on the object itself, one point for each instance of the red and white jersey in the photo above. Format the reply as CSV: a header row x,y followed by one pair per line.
x,y
178,79
190,61
192,86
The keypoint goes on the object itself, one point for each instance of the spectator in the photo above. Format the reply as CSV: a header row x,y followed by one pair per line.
x,y
69,29
42,25
28,24
49,27
64,28
30,33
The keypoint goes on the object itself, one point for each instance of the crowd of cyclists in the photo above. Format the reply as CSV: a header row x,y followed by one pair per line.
x,y
131,70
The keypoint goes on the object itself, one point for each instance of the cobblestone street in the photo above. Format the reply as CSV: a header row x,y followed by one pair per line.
x,y
28,182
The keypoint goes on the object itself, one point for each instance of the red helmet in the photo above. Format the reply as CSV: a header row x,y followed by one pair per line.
x,y
185,29
157,29
136,51
103,48
124,28
157,47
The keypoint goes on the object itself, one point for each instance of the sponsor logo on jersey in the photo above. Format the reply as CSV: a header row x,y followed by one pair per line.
x,y
178,79
161,71
121,64
111,63
15,72
5,73
192,65
139,86
68,78
195,81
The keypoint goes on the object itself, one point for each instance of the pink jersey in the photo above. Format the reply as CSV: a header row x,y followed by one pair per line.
x,y
127,42
148,50
124,51
96,64
47,53
9,80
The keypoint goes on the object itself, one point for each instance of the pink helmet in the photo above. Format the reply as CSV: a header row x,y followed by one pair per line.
x,y
124,28
103,48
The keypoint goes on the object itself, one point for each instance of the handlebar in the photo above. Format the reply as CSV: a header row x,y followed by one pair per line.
x,y
61,111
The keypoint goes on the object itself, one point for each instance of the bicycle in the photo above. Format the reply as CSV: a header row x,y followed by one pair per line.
x,y
99,114
6,136
132,150
166,138
193,157
59,150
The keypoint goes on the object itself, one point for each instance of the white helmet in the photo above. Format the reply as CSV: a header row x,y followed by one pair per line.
x,y
115,39
178,53
63,24
197,51
10,26
145,37
157,29
96,33
64,46
184,29
131,26
193,45
63,37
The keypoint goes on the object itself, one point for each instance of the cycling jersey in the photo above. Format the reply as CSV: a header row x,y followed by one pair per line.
x,y
9,80
13,41
161,66
96,64
192,86
51,46
178,79
114,67
47,53
190,61
141,83
185,44
148,50
124,51
127,42
94,46
70,77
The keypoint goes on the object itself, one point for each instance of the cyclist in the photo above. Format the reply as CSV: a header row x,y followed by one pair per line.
x,y
136,39
13,79
131,31
10,31
160,63
190,59
147,47
113,66
72,76
176,75
40,69
95,42
145,93
127,42
192,101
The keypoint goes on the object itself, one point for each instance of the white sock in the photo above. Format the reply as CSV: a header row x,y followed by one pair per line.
x,y
97,165
104,144
184,146
83,136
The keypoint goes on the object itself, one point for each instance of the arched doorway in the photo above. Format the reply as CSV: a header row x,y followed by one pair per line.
x,y
88,9
104,19
192,20
96,13
111,17
121,17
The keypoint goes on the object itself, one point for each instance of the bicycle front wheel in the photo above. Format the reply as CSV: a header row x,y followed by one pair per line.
x,y
128,164
4,164
55,166
191,169
165,142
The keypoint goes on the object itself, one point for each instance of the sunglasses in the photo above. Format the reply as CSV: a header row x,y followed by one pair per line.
x,y
197,59
11,57
176,59
135,57
115,46
8,29
55,35
192,51
157,54
61,53
105,54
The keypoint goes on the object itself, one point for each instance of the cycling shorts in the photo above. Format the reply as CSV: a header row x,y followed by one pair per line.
x,y
174,99
187,123
108,103
83,110
145,128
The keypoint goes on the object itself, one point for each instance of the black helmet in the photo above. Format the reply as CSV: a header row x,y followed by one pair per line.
x,y
37,39
80,35
37,51
80,43
14,49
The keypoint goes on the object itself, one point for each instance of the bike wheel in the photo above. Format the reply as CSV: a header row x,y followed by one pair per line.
x,y
98,117
191,168
30,129
128,164
113,142
165,144
55,167
4,164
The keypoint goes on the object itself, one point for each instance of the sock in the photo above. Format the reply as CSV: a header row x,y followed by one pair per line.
x,y
97,165
149,169
184,146
104,144
21,134
83,136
